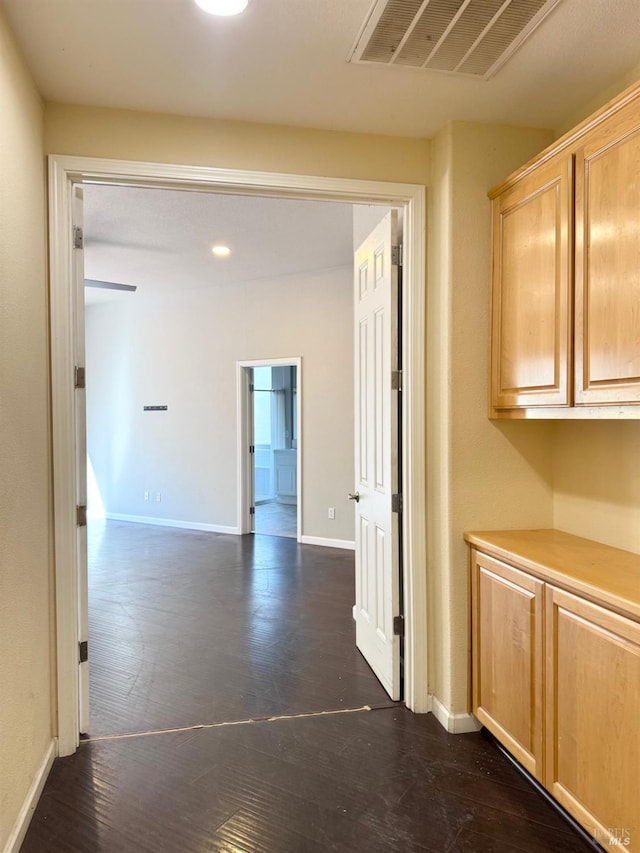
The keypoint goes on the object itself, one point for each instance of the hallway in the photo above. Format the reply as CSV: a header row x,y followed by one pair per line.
x,y
190,628
196,640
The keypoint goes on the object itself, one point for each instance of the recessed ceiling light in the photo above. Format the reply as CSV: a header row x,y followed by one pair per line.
x,y
221,251
223,7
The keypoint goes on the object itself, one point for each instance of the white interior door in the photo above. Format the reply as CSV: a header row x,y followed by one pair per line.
x,y
251,427
376,452
81,460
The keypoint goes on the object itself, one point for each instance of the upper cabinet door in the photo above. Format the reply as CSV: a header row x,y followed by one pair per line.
x,y
607,356
532,274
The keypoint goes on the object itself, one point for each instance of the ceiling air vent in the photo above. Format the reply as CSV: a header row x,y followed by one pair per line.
x,y
470,37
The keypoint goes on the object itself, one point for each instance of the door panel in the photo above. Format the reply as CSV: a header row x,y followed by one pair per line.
x,y
607,252
507,648
376,435
531,312
81,463
593,687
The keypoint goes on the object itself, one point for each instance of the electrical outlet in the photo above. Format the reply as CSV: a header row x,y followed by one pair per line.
x,y
158,496
146,496
332,512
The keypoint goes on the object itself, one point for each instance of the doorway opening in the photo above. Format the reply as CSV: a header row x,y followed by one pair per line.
x,y
67,172
270,459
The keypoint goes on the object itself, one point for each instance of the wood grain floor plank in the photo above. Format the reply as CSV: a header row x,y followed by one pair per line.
x,y
262,788
190,628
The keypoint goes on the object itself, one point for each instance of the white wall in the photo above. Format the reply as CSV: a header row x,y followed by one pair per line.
x,y
181,351
26,647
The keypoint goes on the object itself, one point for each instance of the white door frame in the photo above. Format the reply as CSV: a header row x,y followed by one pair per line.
x,y
64,171
244,458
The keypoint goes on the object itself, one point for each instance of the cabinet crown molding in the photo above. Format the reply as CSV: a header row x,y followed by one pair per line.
x,y
571,139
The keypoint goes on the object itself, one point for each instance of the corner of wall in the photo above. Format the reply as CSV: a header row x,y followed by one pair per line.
x,y
481,474
27,648
21,825
454,723
598,101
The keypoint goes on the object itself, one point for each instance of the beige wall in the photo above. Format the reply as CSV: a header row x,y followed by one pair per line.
x,y
577,476
598,100
596,470
143,351
25,576
481,474
123,134
439,307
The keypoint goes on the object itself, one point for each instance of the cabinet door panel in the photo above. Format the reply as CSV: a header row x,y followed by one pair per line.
x,y
507,657
531,313
592,723
608,263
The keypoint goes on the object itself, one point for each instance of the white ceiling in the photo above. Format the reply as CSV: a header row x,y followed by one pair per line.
x,y
160,240
284,62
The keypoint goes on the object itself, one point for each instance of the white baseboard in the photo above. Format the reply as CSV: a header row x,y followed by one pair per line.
x,y
455,724
172,522
347,544
20,827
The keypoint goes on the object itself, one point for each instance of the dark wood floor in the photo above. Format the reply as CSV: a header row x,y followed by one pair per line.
x,y
238,628
188,627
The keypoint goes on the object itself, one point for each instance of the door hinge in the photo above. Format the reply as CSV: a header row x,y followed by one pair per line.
x,y
398,626
251,388
396,380
252,448
396,503
252,510
81,516
396,256
78,237
83,649
80,377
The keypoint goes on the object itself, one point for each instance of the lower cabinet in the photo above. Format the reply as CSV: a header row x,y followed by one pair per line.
x,y
286,470
507,658
556,678
592,722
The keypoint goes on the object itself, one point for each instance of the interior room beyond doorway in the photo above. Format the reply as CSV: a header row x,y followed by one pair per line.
x,y
62,182
275,442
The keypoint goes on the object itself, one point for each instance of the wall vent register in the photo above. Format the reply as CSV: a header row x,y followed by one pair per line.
x,y
468,37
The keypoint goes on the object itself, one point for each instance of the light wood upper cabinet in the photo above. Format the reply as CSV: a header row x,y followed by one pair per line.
x,y
592,724
565,316
507,657
531,314
607,358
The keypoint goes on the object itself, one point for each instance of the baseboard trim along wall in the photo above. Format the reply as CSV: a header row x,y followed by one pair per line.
x,y
172,522
17,834
347,544
455,724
